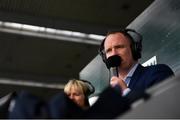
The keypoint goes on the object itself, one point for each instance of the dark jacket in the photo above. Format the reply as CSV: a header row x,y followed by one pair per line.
x,y
145,77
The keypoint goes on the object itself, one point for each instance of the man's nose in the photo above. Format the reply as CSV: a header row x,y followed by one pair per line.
x,y
114,51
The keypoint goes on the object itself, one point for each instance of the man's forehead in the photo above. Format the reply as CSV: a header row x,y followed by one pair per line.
x,y
118,37
115,34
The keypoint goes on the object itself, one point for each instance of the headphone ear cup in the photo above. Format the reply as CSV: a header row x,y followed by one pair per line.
x,y
104,59
136,43
90,87
138,48
134,51
102,54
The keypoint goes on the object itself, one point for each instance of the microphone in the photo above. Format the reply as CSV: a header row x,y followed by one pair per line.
x,y
113,63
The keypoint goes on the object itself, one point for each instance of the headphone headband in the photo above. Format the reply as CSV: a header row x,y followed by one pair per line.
x,y
90,88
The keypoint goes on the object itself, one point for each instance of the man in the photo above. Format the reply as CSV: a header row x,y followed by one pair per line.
x,y
133,79
127,44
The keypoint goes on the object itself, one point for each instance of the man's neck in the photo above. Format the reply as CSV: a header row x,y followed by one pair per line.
x,y
124,72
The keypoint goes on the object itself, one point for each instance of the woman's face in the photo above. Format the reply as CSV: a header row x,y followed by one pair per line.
x,y
77,95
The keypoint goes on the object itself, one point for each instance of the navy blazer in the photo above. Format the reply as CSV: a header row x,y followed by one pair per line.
x,y
111,104
145,77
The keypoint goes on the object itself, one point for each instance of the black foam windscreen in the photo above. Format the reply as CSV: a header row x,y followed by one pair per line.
x,y
113,61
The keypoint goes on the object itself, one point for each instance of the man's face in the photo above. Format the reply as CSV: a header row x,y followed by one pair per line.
x,y
118,44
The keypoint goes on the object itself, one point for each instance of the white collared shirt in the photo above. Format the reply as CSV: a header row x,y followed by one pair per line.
x,y
127,79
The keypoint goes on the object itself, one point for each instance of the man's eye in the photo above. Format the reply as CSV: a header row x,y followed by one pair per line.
x,y
119,46
108,50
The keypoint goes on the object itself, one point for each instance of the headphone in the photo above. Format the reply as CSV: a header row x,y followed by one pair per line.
x,y
135,39
90,87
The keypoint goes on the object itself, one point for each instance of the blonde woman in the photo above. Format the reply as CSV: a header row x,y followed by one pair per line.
x,y
79,91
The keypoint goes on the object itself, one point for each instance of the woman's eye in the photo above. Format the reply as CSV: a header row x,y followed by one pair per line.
x,y
77,94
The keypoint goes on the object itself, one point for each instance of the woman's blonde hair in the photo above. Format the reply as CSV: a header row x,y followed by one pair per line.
x,y
84,86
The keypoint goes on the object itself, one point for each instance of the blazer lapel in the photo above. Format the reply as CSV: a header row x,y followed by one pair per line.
x,y
136,77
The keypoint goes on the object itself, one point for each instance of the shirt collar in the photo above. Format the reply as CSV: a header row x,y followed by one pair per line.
x,y
131,72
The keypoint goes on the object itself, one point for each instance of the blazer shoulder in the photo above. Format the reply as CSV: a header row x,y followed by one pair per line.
x,y
160,67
